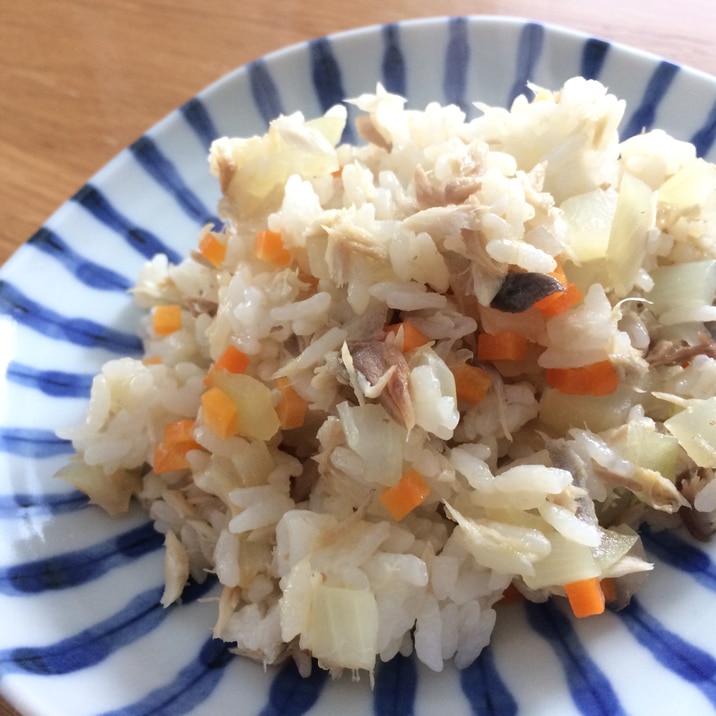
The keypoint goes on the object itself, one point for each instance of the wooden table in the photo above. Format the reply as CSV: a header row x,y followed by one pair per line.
x,y
81,79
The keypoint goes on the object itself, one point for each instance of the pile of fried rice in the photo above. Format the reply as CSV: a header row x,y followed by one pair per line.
x,y
462,357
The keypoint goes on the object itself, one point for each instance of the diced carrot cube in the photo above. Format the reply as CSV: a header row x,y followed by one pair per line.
x,y
212,249
585,597
600,378
402,498
269,247
505,345
292,407
471,382
166,319
219,413
560,301
412,337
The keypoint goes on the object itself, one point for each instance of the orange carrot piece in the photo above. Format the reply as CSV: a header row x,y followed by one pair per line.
x,y
505,345
167,459
232,360
166,319
269,247
412,337
219,413
180,432
471,382
178,440
152,360
600,378
585,597
212,249
291,407
609,588
556,303
402,498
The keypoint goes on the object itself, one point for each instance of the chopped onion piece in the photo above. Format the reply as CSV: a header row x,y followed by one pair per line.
x,y
691,186
377,439
615,543
695,429
343,632
681,290
589,218
634,217
503,547
651,449
567,561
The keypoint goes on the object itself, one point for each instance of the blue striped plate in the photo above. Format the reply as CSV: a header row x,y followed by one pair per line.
x,y
81,629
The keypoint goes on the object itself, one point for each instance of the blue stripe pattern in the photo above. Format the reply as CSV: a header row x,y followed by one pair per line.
x,y
396,683
190,689
705,137
32,443
264,91
19,506
140,616
56,383
91,646
529,50
200,120
291,694
85,271
457,60
680,554
78,331
144,242
393,65
328,80
260,86
591,691
594,56
81,566
485,689
326,73
658,85
163,171
691,663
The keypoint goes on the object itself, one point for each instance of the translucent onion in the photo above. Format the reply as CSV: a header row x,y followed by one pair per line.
x,y
567,561
692,186
254,402
343,631
615,543
695,428
681,290
377,439
589,218
650,449
634,217
561,411
507,548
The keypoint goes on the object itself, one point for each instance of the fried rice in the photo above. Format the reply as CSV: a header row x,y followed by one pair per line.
x,y
462,357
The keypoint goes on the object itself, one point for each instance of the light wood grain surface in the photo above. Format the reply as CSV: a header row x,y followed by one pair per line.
x,y
81,79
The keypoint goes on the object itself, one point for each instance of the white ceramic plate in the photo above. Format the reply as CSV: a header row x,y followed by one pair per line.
x,y
81,629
